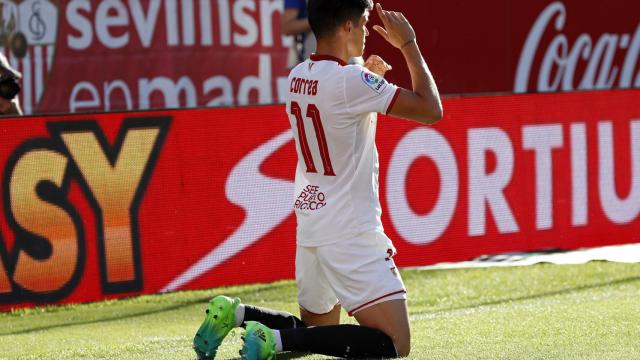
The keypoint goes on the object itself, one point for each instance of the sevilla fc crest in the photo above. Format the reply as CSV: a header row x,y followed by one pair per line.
x,y
28,31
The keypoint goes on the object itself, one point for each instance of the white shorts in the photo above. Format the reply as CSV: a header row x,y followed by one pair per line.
x,y
357,273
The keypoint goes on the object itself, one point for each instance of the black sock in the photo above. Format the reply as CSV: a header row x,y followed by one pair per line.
x,y
347,341
272,318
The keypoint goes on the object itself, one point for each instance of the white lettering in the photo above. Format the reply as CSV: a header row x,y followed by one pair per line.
x,y
606,47
542,139
242,23
246,22
581,50
630,61
104,21
171,16
579,194
619,211
223,84
561,60
216,90
224,16
188,20
414,228
145,25
206,32
79,23
169,89
533,41
92,103
109,87
556,55
488,188
267,9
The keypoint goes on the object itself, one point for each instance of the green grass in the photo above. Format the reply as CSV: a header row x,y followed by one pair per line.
x,y
589,311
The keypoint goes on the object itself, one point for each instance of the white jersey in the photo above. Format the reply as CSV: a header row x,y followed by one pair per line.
x,y
332,109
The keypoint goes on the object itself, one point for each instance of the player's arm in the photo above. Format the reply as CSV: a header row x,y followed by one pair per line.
x,y
421,104
290,23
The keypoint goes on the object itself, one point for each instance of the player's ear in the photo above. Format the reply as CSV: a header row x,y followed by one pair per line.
x,y
348,26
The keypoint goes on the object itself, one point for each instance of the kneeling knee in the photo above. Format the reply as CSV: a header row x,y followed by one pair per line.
x,y
403,349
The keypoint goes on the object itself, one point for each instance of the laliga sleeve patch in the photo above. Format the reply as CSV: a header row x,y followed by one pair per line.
x,y
375,82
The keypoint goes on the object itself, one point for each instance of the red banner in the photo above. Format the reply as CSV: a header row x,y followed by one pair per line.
x,y
80,55
111,205
522,46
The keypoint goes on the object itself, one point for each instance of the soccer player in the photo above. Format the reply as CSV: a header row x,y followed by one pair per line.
x,y
343,257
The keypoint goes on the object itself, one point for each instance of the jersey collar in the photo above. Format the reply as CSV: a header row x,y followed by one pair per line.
x,y
316,57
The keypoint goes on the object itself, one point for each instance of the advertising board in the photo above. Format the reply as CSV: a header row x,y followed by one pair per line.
x,y
111,205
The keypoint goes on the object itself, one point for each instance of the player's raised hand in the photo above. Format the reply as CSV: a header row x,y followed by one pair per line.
x,y
397,30
376,65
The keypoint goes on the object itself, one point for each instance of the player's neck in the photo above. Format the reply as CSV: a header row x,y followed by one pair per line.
x,y
333,48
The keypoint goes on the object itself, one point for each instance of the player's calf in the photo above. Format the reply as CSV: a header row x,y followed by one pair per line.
x,y
330,318
345,341
274,319
391,317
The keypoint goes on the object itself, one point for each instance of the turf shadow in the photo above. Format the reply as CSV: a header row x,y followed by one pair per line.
x,y
531,297
290,355
183,304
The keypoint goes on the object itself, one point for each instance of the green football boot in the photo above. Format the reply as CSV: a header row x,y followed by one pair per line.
x,y
219,320
259,342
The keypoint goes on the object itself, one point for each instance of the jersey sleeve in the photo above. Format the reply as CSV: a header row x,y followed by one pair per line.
x,y
368,92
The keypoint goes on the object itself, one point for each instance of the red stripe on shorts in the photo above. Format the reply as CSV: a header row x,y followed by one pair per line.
x,y
374,300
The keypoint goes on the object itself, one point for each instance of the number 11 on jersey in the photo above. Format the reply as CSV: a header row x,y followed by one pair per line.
x,y
314,114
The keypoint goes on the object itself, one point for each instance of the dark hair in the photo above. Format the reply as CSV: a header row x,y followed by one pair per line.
x,y
326,16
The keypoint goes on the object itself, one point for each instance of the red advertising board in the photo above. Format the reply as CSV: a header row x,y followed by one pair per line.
x,y
104,55
522,46
109,205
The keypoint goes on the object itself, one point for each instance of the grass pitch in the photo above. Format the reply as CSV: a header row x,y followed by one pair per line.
x,y
589,311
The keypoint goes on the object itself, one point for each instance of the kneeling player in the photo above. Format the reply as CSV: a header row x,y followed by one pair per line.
x,y
343,257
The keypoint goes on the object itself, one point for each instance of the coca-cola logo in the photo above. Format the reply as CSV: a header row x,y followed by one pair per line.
x,y
586,63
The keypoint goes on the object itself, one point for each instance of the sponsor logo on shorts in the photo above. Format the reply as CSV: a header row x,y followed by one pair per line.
x,y
375,82
311,198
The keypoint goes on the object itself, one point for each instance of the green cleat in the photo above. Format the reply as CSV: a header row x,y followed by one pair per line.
x,y
220,319
259,342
